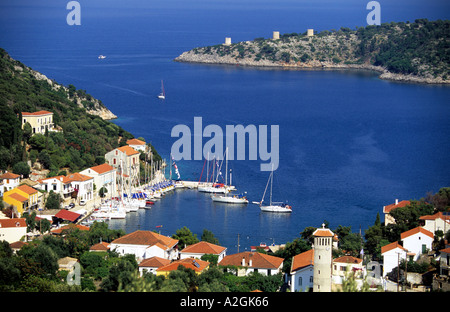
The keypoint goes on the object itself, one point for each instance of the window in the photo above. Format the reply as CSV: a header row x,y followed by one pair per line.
x,y
300,281
311,279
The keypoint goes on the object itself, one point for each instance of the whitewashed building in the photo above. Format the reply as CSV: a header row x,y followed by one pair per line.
x,y
248,262
302,272
104,176
8,181
436,222
202,248
146,244
12,230
417,241
392,254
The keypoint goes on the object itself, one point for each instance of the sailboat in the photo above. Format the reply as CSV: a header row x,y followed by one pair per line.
x,y
273,207
212,187
162,95
229,199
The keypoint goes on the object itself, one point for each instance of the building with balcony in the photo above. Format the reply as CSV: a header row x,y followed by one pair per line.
x,y
39,121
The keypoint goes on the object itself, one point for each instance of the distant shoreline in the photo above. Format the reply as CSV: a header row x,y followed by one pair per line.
x,y
384,74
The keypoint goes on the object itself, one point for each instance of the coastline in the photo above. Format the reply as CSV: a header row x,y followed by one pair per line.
x,y
384,74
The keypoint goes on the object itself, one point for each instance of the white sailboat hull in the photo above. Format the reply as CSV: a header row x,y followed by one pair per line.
x,y
229,200
211,189
275,208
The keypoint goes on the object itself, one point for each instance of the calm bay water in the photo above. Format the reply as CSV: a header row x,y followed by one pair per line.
x,y
349,142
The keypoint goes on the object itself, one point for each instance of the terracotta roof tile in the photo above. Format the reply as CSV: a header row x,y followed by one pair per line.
x,y
154,262
348,259
148,238
67,215
102,168
323,233
391,246
135,142
389,208
259,260
187,263
27,189
103,246
302,260
18,197
415,231
9,175
39,113
128,150
14,222
204,248
70,226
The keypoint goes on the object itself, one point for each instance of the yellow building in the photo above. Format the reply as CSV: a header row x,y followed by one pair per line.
x,y
22,197
39,121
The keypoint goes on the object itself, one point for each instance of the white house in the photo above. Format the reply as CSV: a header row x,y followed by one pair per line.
x,y
302,271
436,222
12,230
104,176
152,264
137,144
59,184
392,254
83,185
248,262
146,244
417,241
202,248
8,181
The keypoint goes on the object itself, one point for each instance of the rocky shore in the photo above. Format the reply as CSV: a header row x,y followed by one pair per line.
x,y
195,57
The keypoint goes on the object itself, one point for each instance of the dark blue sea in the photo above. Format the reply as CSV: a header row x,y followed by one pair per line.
x,y
350,143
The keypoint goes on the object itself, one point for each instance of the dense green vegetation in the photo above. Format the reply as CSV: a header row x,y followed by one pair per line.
x,y
83,139
421,48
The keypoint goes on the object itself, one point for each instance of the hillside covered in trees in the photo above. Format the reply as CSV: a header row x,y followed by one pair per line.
x,y
418,51
84,135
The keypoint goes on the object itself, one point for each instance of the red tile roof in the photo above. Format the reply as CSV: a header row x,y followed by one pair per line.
x,y
391,246
259,260
70,226
18,197
78,177
102,168
9,175
187,263
135,142
389,208
39,113
348,259
128,150
147,238
103,246
14,222
204,248
415,231
67,215
323,233
154,262
437,215
302,260
27,189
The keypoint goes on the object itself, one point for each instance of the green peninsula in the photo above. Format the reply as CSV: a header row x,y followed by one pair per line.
x,y
404,51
